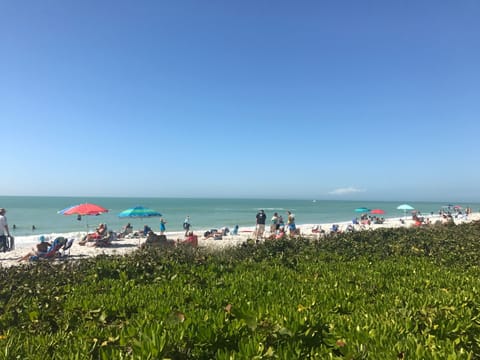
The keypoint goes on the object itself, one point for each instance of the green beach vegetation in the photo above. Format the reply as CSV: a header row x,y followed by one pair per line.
x,y
383,294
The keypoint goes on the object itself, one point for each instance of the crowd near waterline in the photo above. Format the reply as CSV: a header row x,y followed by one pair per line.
x,y
30,217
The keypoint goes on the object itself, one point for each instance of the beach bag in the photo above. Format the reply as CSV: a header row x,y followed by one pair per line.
x,y
11,241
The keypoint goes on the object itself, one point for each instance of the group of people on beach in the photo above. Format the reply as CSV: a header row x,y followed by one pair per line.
x,y
277,225
163,225
278,228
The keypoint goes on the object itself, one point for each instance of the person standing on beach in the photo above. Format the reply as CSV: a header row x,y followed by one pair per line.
x,y
261,217
4,232
291,223
162,226
274,223
186,225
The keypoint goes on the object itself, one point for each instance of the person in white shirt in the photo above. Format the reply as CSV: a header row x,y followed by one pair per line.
x,y
186,225
4,232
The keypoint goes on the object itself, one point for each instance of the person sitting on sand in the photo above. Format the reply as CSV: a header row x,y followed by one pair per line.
x,y
190,239
317,229
234,231
146,230
277,234
280,233
216,234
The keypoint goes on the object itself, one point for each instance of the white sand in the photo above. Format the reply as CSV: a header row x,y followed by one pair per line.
x,y
125,246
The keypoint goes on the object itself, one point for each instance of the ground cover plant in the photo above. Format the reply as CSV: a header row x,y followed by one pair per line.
x,y
384,294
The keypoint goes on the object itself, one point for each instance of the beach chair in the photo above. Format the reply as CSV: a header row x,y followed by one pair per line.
x,y
67,247
52,252
234,231
105,241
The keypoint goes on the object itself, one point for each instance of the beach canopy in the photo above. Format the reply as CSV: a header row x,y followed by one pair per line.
x,y
83,209
377,211
362,210
138,212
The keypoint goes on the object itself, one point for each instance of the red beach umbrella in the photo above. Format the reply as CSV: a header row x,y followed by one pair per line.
x,y
377,211
85,209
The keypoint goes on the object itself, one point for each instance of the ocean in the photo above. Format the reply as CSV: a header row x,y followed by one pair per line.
x,y
42,212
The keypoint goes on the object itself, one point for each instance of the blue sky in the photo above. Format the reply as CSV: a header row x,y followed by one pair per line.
x,y
375,100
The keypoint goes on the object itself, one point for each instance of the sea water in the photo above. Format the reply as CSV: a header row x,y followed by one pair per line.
x,y
42,212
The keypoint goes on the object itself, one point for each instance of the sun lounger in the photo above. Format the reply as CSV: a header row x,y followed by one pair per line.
x,y
67,247
52,252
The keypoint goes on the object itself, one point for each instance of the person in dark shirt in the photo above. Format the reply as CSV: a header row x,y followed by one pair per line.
x,y
260,228
146,230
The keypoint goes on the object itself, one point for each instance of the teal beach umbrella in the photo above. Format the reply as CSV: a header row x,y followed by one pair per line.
x,y
139,212
405,208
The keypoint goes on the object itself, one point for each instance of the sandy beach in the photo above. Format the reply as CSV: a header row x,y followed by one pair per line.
x,y
127,245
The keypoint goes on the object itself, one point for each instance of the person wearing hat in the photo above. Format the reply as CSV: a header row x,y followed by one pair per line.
x,y
40,249
260,228
4,232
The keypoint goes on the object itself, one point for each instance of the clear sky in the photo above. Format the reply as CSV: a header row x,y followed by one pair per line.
x,y
258,99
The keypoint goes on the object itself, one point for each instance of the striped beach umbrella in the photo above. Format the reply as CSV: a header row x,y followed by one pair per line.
x,y
84,209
